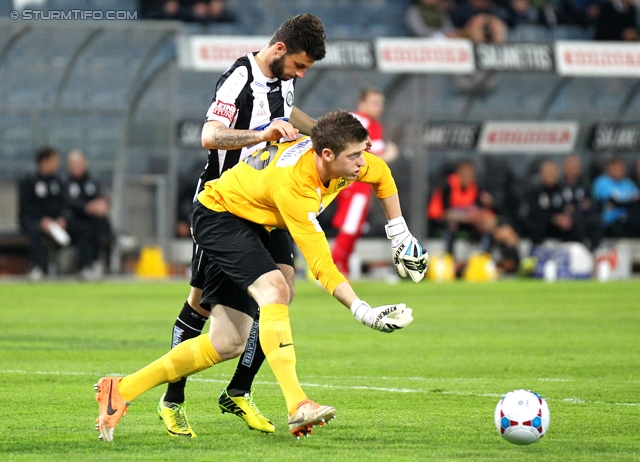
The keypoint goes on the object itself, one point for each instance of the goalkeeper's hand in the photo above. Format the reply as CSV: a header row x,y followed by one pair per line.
x,y
386,318
409,257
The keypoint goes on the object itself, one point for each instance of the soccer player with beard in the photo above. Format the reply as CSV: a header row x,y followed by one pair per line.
x,y
252,106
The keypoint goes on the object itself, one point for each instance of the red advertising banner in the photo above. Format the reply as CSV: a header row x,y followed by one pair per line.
x,y
528,137
614,59
424,56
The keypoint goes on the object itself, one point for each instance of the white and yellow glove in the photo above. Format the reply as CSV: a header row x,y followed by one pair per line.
x,y
385,318
409,257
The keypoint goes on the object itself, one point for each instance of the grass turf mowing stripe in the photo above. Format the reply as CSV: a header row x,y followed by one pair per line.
x,y
350,387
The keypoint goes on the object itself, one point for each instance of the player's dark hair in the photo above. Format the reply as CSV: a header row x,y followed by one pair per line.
x,y
303,32
335,130
366,91
44,154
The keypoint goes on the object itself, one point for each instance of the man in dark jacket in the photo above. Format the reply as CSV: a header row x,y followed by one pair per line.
x,y
88,220
42,210
549,215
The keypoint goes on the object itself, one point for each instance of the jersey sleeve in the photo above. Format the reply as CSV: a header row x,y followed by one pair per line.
x,y
224,107
377,173
300,215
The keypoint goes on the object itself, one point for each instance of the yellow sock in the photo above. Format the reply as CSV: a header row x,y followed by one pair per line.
x,y
277,344
185,359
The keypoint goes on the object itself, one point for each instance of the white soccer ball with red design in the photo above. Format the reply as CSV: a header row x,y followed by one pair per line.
x,y
522,417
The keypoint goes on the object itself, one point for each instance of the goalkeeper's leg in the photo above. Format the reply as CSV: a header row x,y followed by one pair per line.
x,y
271,292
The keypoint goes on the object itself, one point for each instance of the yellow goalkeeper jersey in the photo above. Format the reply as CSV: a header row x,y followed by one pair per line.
x,y
279,187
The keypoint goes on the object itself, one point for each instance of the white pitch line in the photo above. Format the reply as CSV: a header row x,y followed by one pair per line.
x,y
346,387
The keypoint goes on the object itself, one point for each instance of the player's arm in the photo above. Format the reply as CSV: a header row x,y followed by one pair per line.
x,y
308,235
385,318
216,135
301,121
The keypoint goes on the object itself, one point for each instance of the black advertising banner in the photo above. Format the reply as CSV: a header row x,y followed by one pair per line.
x,y
189,133
347,54
519,57
451,136
615,137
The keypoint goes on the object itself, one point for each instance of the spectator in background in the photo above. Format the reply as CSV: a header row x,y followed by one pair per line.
x,y
460,205
190,10
481,21
548,214
211,11
575,193
88,222
523,12
42,210
429,18
619,200
583,13
168,9
617,21
353,202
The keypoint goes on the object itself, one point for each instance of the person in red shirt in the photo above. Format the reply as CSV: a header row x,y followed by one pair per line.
x,y
353,202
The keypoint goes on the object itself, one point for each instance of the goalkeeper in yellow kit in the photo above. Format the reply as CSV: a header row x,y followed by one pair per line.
x,y
284,186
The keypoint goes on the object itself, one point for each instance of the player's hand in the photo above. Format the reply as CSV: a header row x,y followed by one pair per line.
x,y
385,318
409,257
278,129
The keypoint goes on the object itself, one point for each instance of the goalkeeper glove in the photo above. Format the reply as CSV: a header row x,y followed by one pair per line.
x,y
409,257
386,318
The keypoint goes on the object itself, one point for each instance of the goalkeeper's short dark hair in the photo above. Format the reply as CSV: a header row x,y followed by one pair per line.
x,y
335,130
303,32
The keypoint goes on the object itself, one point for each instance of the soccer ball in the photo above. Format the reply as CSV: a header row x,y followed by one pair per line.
x,y
522,417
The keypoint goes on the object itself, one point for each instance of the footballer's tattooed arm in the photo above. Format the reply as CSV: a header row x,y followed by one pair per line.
x,y
230,138
217,136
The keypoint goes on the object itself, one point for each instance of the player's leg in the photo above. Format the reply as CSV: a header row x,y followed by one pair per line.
x,y
239,248
188,325
271,292
237,398
226,339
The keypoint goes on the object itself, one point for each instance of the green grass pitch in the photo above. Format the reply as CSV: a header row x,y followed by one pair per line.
x,y
425,393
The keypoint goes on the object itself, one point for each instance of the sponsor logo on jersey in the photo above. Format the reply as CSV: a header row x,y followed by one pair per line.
x,y
341,182
225,110
291,155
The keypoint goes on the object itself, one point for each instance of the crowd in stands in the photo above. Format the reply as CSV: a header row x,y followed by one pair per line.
x,y
57,211
561,204
490,20
200,11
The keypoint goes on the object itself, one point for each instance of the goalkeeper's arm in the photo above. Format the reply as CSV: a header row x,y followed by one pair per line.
x,y
386,318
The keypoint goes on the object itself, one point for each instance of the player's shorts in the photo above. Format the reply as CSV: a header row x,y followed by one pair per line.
x,y
237,254
280,248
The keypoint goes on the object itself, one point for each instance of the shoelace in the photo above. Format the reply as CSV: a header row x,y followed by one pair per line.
x,y
249,399
180,417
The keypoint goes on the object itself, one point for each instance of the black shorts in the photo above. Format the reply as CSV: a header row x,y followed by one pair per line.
x,y
280,248
236,253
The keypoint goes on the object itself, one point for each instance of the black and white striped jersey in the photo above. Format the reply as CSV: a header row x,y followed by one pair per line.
x,y
246,100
